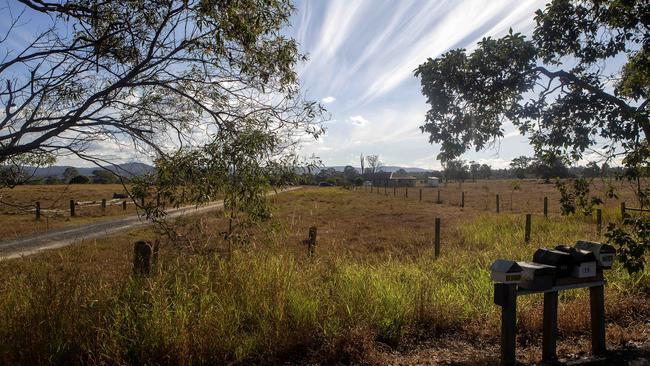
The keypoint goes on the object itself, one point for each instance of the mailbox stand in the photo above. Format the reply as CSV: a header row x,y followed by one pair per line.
x,y
505,295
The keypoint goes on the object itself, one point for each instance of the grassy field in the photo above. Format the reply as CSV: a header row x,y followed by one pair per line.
x,y
374,293
17,207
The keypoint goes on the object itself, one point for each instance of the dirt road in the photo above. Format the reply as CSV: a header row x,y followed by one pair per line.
x,y
33,244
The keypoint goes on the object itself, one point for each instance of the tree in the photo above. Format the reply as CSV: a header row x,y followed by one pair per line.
x,y
520,166
101,176
148,73
70,173
592,170
474,168
574,100
80,179
456,170
485,171
550,166
363,165
374,163
350,174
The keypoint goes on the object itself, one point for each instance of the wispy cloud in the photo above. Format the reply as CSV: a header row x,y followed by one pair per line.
x,y
328,100
358,120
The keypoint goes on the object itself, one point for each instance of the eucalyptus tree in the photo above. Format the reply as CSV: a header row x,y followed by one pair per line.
x,y
153,75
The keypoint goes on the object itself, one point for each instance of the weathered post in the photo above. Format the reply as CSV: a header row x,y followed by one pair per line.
x,y
439,201
528,224
420,194
623,209
394,190
124,205
545,206
406,192
311,241
38,210
549,330
497,203
385,188
437,238
506,296
103,206
597,304
371,187
71,208
599,220
145,255
462,199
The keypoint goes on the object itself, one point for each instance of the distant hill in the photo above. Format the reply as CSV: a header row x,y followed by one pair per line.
x,y
126,169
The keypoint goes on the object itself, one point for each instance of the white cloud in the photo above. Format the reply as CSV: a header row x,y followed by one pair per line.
x,y
358,120
327,100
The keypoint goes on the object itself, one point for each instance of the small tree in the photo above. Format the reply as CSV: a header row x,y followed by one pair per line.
x,y
69,173
374,163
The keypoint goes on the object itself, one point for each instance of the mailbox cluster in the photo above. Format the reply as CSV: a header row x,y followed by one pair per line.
x,y
581,261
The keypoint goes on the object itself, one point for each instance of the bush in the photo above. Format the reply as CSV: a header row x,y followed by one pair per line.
x,y
80,179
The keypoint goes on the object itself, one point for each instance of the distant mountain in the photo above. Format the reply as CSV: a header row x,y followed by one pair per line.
x,y
126,169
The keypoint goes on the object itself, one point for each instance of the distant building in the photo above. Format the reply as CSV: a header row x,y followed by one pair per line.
x,y
433,181
402,180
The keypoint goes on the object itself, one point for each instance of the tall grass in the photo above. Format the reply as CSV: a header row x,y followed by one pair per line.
x,y
270,305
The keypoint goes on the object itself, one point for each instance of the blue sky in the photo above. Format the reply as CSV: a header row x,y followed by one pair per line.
x,y
362,54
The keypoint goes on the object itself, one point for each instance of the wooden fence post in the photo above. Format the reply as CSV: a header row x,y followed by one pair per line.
x,y
439,201
437,238
311,241
622,209
528,225
599,220
462,199
497,203
124,205
38,210
545,206
103,206
394,190
72,208
385,188
420,194
145,256
371,187
406,192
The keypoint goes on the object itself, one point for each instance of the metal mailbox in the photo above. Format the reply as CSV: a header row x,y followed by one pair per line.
x,y
584,262
560,260
536,276
605,254
505,271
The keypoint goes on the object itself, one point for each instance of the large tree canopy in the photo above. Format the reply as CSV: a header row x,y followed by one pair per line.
x,y
583,77
148,73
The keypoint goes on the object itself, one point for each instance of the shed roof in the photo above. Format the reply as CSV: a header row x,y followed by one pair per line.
x,y
396,175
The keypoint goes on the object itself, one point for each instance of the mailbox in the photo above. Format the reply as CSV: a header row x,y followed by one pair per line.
x,y
504,271
535,276
604,253
584,262
562,261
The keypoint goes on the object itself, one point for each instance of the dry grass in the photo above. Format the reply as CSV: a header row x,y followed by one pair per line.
x,y
17,207
373,293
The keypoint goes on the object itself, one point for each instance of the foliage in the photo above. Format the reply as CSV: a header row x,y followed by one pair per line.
x,y
567,198
350,174
79,179
456,170
69,173
561,68
577,197
150,74
521,166
374,163
102,176
632,240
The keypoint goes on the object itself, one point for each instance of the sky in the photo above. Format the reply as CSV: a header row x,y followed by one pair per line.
x,y
361,58
362,54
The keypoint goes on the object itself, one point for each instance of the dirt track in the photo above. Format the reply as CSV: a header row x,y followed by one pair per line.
x,y
33,244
